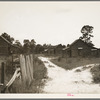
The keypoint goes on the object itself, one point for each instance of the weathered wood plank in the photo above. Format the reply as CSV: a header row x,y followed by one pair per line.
x,y
16,75
23,69
26,63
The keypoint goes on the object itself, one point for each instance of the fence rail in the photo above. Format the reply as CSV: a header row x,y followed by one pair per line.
x,y
25,71
15,75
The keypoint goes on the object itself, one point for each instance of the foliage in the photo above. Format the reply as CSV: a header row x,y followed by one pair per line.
x,y
9,66
96,74
39,48
17,43
45,45
39,69
29,47
59,59
32,46
26,46
86,34
59,46
70,63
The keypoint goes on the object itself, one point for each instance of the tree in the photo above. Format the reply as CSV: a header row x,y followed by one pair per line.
x,y
45,46
59,46
32,46
32,42
86,34
26,46
17,43
63,46
68,45
39,48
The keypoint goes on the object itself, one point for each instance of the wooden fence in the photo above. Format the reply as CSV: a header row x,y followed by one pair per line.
x,y
25,70
26,65
15,75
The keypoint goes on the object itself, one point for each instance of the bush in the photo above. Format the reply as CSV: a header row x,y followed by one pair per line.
x,y
10,67
69,61
39,69
96,74
78,70
59,59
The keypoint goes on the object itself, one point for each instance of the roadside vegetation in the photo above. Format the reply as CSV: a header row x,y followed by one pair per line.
x,y
96,74
70,63
39,74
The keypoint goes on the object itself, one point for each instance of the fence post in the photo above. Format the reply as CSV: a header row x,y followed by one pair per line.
x,y
2,78
2,72
12,59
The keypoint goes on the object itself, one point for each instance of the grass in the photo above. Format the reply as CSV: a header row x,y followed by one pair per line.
x,y
96,74
39,73
70,63
39,69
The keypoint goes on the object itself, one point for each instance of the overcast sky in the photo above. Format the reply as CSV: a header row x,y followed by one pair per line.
x,y
49,22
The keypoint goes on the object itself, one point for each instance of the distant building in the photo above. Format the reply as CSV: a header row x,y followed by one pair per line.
x,y
54,50
58,49
6,48
80,48
49,51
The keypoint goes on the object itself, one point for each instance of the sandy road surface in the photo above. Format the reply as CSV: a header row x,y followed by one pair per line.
x,y
78,80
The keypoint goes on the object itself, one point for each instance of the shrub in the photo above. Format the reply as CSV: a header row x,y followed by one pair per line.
x,y
39,69
78,70
96,74
9,70
59,59
69,61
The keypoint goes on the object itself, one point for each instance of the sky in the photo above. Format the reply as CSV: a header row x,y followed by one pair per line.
x,y
50,22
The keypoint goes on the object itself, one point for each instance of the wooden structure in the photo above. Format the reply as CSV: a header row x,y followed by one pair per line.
x,y
4,46
4,86
54,50
80,48
26,64
7,48
49,51
58,49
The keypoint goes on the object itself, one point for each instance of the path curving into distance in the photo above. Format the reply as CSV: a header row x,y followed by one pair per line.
x,y
77,81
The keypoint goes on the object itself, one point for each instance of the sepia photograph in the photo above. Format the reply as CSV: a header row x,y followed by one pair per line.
x,y
50,48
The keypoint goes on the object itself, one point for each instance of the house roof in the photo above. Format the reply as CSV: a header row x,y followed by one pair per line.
x,y
81,41
8,41
5,40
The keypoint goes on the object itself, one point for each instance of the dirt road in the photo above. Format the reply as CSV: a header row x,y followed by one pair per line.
x,y
78,80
